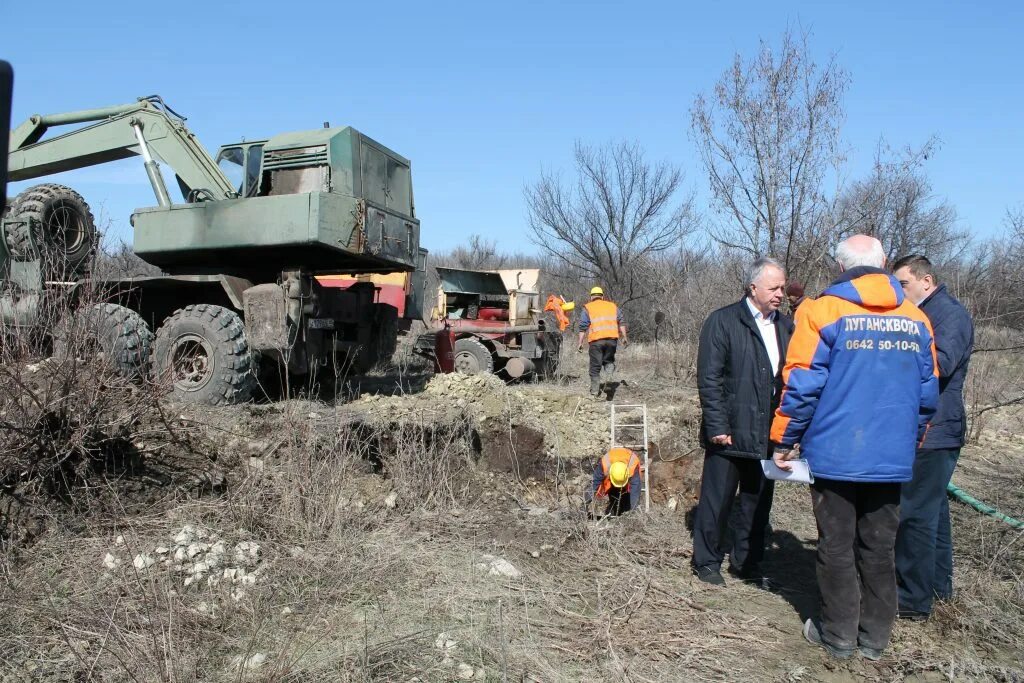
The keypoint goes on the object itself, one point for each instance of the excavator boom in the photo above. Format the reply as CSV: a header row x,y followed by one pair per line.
x,y
118,133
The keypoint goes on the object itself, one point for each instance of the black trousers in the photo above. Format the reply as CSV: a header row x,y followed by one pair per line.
x,y
722,475
602,355
924,545
857,523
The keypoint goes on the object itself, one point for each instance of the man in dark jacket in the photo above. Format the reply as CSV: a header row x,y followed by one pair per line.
x,y
739,360
924,545
860,388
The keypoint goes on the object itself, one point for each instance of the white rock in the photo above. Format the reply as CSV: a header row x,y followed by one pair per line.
x,y
297,551
143,561
673,503
546,547
186,535
248,580
391,501
286,611
180,555
465,672
204,608
119,540
218,548
109,561
444,642
229,574
535,553
189,580
237,595
497,566
200,568
161,550
193,550
251,663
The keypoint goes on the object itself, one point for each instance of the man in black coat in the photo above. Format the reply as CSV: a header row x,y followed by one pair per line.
x,y
739,374
924,544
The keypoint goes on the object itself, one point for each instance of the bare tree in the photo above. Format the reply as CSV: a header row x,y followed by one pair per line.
x,y
610,221
768,137
896,204
478,254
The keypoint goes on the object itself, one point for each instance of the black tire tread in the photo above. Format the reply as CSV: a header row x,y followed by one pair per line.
x,y
31,204
236,378
121,334
477,348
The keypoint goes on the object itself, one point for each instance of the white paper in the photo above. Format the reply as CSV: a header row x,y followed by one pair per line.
x,y
801,471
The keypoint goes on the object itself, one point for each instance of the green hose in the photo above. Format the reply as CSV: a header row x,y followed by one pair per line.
x,y
965,497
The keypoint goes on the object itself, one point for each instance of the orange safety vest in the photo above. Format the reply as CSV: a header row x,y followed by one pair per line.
x,y
604,320
618,455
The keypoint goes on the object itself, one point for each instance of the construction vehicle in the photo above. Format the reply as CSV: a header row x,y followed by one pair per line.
x,y
240,250
498,322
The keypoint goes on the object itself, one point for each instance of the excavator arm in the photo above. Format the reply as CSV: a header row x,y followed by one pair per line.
x,y
147,128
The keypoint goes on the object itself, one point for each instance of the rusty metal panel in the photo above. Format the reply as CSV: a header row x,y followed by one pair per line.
x,y
266,317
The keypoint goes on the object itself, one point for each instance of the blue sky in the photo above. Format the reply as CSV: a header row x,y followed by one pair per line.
x,y
482,96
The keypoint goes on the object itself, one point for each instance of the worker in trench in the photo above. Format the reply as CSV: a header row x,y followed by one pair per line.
x,y
602,326
619,477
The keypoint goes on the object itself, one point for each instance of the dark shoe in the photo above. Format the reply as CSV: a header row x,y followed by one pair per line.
x,y
753,576
595,388
711,575
812,632
872,653
911,615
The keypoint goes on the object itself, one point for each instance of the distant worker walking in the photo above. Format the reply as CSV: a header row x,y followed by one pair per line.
x,y
601,324
619,476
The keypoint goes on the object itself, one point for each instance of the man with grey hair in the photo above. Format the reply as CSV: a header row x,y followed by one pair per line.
x,y
860,387
739,359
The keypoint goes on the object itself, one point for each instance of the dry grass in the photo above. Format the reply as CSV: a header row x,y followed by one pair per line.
x,y
353,587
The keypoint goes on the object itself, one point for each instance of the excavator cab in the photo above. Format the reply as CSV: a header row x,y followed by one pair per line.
x,y
241,163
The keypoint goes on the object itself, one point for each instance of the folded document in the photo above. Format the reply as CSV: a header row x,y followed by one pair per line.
x,y
801,471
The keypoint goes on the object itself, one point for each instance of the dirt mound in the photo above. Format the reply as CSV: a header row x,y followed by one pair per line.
x,y
574,427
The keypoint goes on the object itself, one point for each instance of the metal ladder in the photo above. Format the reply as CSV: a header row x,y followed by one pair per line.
x,y
629,430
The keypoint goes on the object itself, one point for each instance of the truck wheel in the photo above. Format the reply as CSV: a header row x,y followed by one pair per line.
x,y
65,230
203,351
119,333
472,357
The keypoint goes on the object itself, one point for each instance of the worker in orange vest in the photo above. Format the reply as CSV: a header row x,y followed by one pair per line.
x,y
601,324
618,475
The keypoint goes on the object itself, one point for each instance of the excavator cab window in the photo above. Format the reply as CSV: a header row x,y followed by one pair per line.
x,y
253,162
242,165
232,162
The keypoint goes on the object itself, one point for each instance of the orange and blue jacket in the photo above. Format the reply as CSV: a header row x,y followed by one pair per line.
x,y
603,484
860,381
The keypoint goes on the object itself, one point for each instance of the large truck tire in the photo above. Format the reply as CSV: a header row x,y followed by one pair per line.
x,y
202,350
65,229
118,334
472,357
